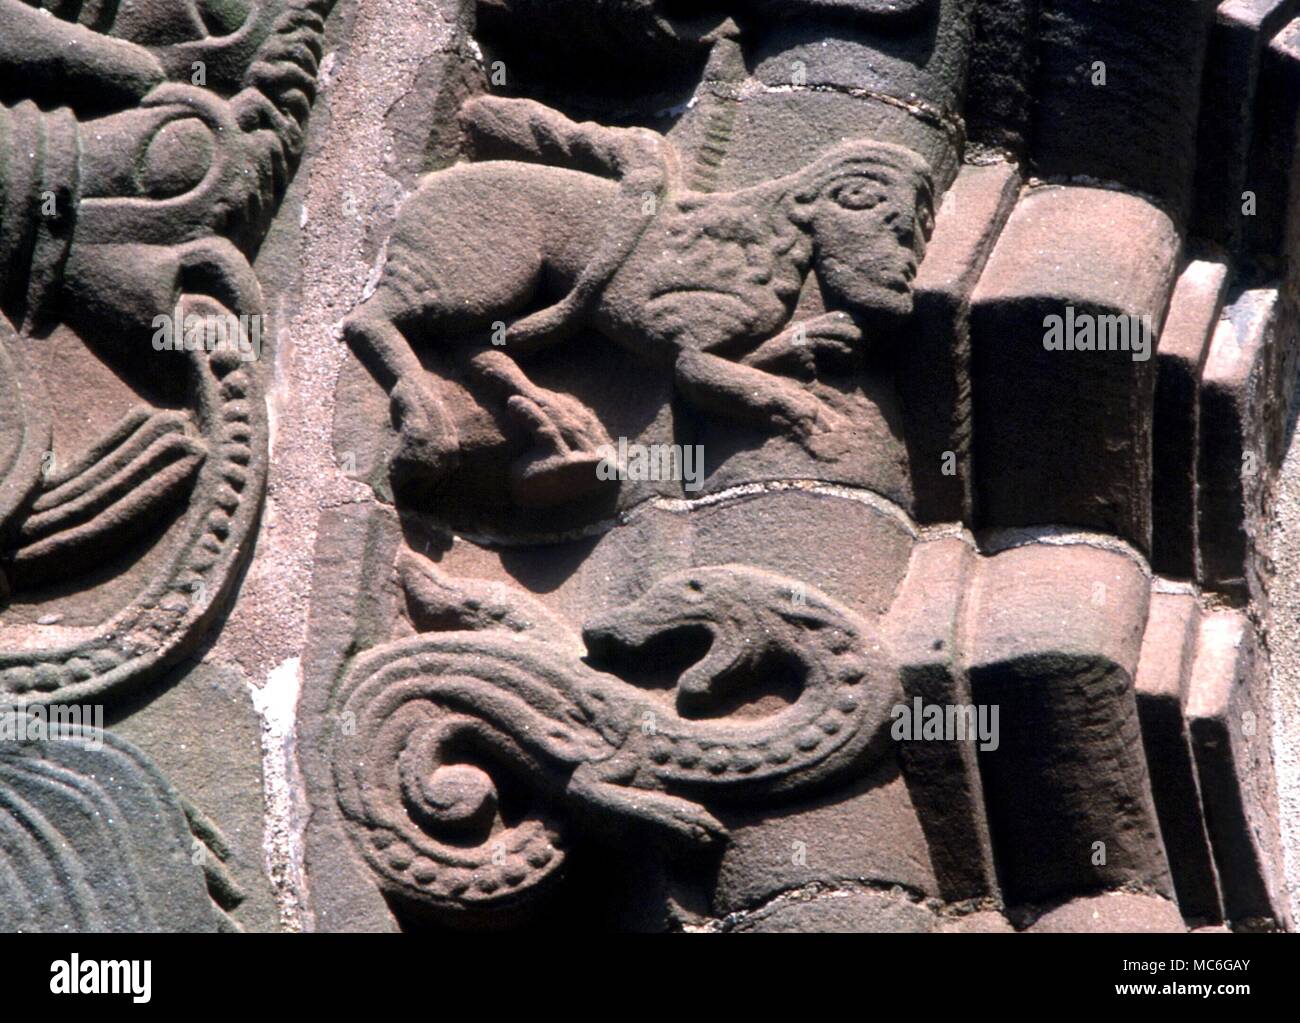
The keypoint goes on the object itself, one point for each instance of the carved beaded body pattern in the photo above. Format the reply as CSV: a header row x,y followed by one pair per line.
x,y
522,692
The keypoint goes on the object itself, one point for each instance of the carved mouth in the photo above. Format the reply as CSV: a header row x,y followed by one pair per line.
x,y
649,655
691,289
903,279
906,272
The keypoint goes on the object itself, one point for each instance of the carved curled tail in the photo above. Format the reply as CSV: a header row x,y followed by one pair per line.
x,y
521,129
450,755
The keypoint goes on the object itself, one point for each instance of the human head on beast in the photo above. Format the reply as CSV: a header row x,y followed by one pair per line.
x,y
766,89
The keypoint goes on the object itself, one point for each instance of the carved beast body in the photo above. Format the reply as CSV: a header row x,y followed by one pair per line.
x,y
659,270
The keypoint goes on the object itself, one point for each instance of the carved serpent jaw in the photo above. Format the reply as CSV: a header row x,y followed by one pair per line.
x,y
757,623
683,613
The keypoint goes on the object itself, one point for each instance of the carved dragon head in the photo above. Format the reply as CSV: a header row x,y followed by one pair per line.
x,y
747,616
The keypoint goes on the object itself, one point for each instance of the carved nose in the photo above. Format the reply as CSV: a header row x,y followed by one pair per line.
x,y
902,224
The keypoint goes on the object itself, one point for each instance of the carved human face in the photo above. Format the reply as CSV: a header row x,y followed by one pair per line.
x,y
870,219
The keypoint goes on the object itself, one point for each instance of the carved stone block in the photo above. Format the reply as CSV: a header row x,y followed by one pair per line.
x,y
630,465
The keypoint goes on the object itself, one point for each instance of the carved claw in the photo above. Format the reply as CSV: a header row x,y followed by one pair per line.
x,y
557,470
679,821
560,466
800,349
747,395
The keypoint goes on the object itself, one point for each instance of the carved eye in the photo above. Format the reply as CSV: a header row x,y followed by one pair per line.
x,y
857,194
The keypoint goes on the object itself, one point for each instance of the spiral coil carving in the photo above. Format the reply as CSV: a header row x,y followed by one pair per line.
x,y
464,760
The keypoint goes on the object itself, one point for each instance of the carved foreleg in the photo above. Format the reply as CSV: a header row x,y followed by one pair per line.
x,y
799,351
752,396
679,821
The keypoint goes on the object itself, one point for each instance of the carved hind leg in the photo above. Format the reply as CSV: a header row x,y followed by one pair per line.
x,y
429,447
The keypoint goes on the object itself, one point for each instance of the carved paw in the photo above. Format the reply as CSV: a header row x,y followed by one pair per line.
x,y
427,448
759,398
832,340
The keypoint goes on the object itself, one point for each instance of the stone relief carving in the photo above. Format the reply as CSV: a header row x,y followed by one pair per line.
x,y
110,221
567,657
96,840
143,149
703,283
698,461
509,684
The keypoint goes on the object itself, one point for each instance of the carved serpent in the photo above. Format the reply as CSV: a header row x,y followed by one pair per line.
x,y
463,757
755,620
